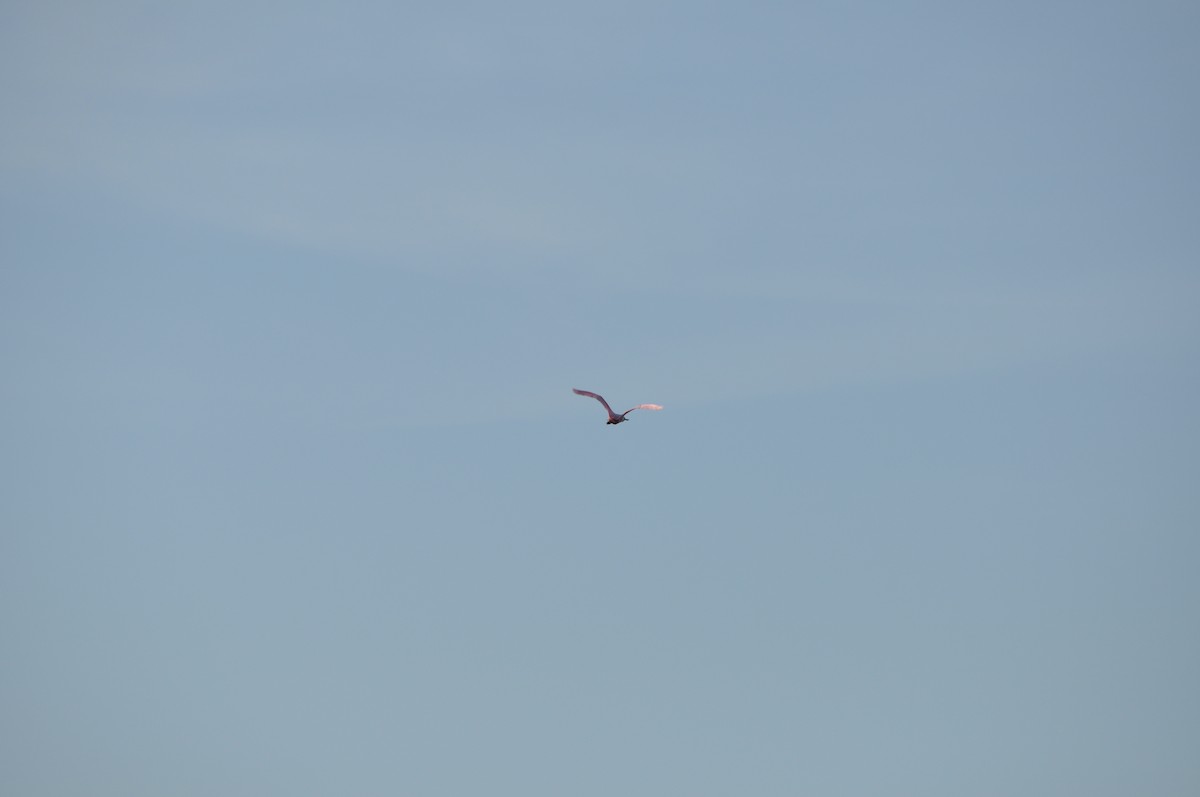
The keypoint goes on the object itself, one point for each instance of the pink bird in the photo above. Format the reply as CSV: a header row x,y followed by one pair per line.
x,y
612,416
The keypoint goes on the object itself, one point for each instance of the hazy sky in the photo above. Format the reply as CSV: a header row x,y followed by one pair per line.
x,y
295,498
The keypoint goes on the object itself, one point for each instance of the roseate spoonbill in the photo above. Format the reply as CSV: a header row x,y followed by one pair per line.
x,y
613,418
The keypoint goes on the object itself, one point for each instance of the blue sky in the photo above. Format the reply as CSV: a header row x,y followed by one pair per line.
x,y
296,498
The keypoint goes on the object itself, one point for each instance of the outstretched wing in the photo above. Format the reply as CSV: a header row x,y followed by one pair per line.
x,y
597,397
645,407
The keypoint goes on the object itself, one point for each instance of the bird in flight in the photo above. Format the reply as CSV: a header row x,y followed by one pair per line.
x,y
614,418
